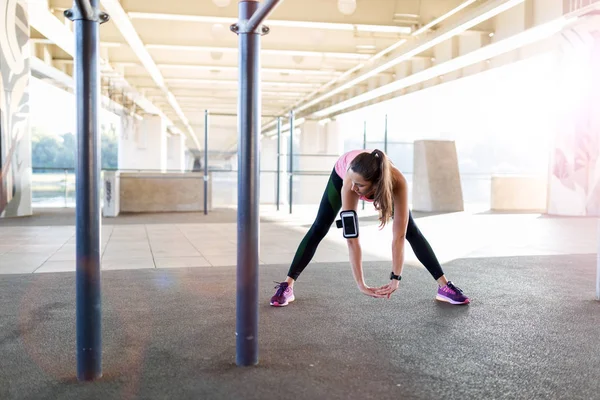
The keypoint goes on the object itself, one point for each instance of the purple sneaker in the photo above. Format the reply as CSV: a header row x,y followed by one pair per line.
x,y
451,294
283,296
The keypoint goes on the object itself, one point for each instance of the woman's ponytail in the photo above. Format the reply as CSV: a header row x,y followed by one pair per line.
x,y
384,187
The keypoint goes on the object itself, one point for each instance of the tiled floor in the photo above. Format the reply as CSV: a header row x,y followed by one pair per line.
x,y
38,249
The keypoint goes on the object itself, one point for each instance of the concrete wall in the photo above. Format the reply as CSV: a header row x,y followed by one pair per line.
x,y
148,192
143,144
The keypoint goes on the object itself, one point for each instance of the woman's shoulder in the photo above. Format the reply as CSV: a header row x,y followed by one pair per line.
x,y
398,178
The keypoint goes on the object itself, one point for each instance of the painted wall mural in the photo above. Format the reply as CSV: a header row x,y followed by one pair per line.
x,y
574,185
15,138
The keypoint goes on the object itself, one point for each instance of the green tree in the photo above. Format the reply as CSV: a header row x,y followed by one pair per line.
x,y
67,151
48,151
44,149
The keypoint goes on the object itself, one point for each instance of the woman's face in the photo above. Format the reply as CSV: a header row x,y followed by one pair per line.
x,y
359,184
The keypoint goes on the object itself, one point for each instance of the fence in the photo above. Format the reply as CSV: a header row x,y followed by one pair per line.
x,y
55,188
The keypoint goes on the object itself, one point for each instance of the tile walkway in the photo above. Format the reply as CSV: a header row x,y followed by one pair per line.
x,y
39,249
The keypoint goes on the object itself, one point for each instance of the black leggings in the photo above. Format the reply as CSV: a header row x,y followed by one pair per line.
x,y
330,205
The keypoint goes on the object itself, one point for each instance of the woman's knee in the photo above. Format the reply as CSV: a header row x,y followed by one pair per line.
x,y
320,229
413,233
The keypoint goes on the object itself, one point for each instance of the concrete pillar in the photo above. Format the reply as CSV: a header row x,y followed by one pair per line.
x,y
143,144
436,179
321,143
268,168
176,153
15,137
418,65
507,24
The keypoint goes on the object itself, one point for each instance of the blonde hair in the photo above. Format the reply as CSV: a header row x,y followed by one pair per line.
x,y
375,167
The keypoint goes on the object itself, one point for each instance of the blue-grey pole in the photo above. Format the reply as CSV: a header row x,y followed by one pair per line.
x,y
205,162
87,17
291,166
249,111
385,135
277,193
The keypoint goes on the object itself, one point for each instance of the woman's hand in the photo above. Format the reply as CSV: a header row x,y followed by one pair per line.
x,y
387,290
369,291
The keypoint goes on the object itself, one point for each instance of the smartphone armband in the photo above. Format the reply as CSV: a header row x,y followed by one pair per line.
x,y
349,224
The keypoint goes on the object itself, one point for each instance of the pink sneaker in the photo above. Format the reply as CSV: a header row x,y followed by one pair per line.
x,y
283,296
451,294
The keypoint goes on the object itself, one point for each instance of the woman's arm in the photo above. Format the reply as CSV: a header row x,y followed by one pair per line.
x,y
350,202
400,221
398,231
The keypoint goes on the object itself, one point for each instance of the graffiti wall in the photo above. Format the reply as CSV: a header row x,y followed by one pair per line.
x,y
574,185
15,139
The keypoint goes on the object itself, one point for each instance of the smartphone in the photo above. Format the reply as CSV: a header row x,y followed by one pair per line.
x,y
349,224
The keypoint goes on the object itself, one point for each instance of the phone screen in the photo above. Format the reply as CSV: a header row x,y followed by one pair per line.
x,y
349,228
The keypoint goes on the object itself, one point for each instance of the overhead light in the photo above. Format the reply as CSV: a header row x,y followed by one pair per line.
x,y
527,37
279,23
221,3
346,7
402,15
232,50
491,34
264,69
443,17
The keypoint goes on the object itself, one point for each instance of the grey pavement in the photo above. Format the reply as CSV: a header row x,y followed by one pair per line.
x,y
531,331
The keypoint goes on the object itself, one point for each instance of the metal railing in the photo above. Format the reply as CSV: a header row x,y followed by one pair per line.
x,y
55,187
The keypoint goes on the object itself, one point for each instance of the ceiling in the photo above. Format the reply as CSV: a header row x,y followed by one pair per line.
x,y
178,58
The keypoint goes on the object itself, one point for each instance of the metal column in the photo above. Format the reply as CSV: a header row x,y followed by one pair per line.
x,y
250,17
87,17
291,166
205,162
277,194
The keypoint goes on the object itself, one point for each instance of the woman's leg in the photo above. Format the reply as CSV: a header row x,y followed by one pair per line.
x,y
447,291
330,205
423,251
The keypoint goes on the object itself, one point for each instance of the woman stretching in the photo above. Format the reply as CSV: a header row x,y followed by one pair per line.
x,y
370,176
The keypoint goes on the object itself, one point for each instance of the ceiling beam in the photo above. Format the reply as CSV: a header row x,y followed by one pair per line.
x,y
46,23
123,23
398,29
490,51
288,71
486,11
